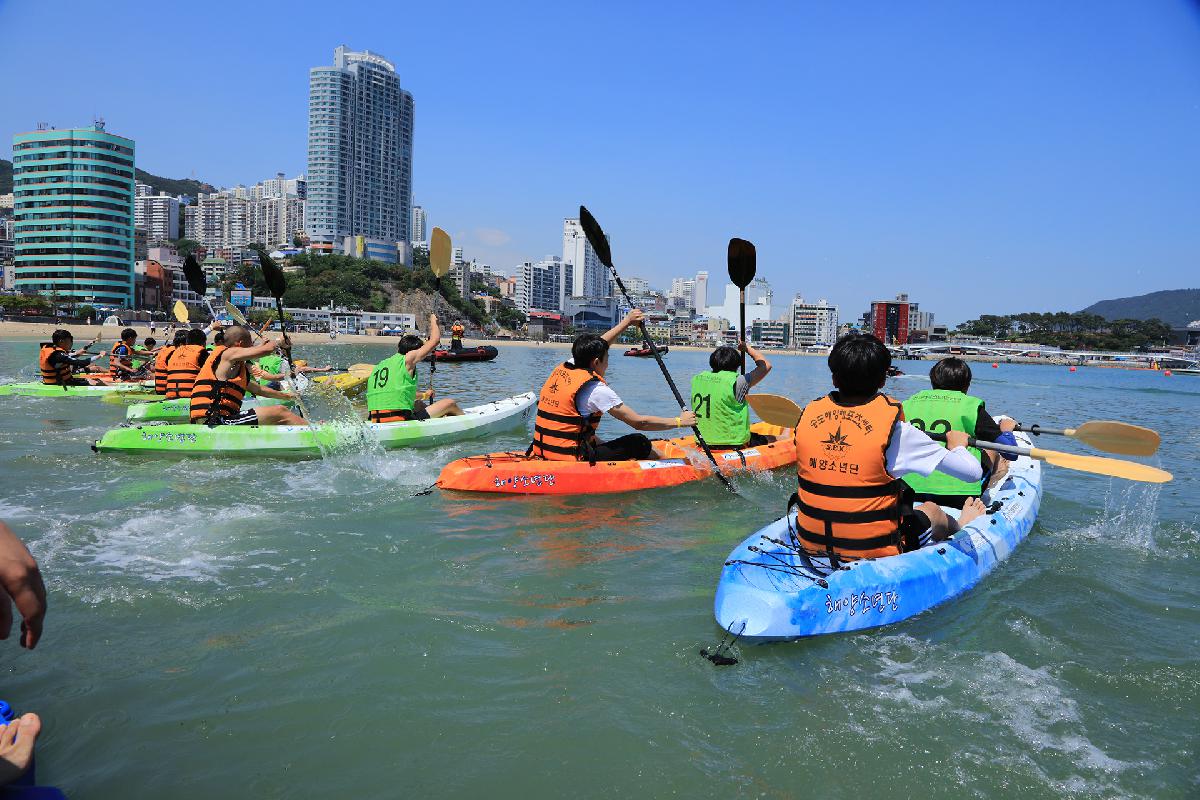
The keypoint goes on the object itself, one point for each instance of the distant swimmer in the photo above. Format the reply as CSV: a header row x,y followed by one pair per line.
x,y
224,380
392,387
59,364
575,398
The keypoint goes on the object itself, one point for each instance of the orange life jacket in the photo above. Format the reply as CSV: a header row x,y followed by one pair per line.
x,y
456,331
160,369
115,372
209,390
848,505
559,432
182,369
55,376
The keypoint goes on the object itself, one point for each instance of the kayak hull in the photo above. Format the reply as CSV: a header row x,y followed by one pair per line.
x,y
772,595
298,440
680,461
44,390
175,410
482,353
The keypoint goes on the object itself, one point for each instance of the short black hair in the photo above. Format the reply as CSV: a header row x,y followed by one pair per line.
x,y
586,348
859,363
725,359
180,337
61,335
194,336
150,341
951,373
408,342
219,337
128,333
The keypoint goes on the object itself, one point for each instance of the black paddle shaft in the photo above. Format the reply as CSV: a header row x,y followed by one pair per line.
x,y
590,227
743,263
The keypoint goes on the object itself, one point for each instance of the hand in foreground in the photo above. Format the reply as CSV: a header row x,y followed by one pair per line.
x,y
635,317
687,418
1008,425
20,583
956,439
16,746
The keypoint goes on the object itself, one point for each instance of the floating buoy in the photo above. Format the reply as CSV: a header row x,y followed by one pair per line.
x,y
1072,369
1166,373
995,365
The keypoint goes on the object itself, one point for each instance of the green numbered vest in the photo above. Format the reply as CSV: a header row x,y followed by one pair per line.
x,y
391,387
938,411
721,418
272,363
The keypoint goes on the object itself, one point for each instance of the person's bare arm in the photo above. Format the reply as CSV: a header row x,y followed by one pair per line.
x,y
232,354
761,365
645,422
634,317
258,390
421,353
20,580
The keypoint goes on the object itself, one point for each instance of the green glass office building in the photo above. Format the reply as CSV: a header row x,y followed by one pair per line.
x,y
73,209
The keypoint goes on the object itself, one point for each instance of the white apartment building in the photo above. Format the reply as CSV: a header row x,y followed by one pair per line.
x,y
700,302
759,297
589,276
418,226
242,216
813,323
684,288
636,286
156,214
544,285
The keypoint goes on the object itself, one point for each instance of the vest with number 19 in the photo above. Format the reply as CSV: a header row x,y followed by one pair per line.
x,y
391,386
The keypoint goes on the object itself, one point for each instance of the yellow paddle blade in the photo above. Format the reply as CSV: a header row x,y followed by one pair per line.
x,y
180,310
236,314
775,409
1098,465
439,253
1117,437
361,370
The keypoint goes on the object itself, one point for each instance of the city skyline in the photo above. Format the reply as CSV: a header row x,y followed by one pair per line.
x,y
865,155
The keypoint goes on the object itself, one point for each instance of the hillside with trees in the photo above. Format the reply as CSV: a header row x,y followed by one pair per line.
x,y
1176,307
1078,331
172,186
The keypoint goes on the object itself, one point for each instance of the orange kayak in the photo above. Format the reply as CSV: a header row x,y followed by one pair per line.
x,y
679,461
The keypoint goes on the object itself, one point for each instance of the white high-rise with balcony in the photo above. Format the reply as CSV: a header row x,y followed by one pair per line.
x,y
589,276
360,151
700,302
813,323
417,232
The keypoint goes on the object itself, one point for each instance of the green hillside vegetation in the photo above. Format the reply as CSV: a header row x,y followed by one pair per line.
x,y
1078,331
172,186
1176,307
364,284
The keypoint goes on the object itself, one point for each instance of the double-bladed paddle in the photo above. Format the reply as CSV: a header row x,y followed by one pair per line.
x,y
599,242
1107,435
277,285
781,411
439,263
743,262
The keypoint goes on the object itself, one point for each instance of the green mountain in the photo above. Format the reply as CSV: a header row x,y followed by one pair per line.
x,y
1176,307
172,186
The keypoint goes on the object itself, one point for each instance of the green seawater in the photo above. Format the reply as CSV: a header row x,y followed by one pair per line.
x,y
270,629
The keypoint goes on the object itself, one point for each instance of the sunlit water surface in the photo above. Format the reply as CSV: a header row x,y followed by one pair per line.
x,y
311,628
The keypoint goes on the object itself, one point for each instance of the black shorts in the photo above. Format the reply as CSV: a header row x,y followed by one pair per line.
x,y
247,417
915,528
397,415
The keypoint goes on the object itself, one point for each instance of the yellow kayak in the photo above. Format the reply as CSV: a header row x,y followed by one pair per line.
x,y
348,383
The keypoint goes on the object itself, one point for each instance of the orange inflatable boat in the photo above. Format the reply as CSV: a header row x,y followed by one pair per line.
x,y
680,461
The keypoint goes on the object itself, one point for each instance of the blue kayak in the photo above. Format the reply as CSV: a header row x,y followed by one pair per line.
x,y
771,591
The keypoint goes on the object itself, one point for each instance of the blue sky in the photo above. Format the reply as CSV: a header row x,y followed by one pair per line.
x,y
985,158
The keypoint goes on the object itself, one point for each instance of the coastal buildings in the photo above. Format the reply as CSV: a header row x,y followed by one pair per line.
x,y
889,320
73,193
417,233
589,276
543,285
360,153
683,289
758,303
156,214
813,323
701,297
270,213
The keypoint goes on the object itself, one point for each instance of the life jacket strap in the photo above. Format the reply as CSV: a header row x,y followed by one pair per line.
x,y
851,492
892,512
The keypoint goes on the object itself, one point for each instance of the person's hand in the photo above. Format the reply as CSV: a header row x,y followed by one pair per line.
x,y
687,418
256,370
432,320
956,439
635,317
742,345
20,583
1008,425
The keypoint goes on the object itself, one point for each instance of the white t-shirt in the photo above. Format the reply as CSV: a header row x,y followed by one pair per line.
x,y
596,398
912,451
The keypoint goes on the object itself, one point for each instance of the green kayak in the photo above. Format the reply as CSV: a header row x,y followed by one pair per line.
x,y
293,440
179,410
47,390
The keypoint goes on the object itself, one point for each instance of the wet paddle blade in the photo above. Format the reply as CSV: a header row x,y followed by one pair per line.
x,y
361,370
236,314
1098,465
1117,437
743,262
272,274
595,236
194,274
180,310
774,409
439,253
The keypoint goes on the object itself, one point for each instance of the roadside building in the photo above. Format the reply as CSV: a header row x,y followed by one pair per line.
x,y
770,333
813,323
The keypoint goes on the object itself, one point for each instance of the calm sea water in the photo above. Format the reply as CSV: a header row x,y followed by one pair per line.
x,y
298,629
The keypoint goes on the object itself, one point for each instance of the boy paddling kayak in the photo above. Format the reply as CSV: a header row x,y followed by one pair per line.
x,y
392,388
59,364
217,394
719,398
